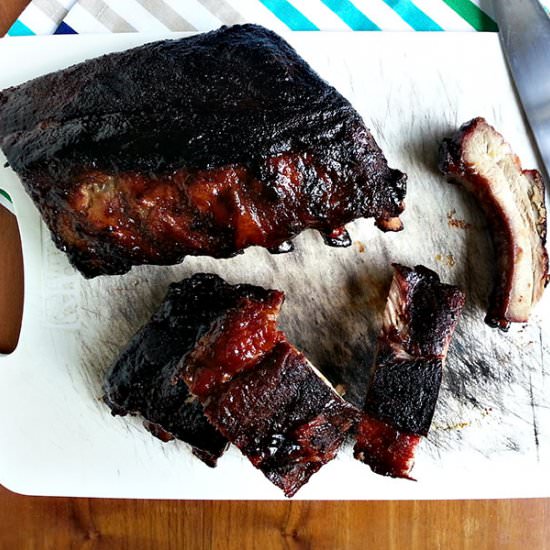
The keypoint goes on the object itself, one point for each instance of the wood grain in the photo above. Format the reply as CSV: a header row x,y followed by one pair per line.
x,y
9,10
11,282
87,523
56,523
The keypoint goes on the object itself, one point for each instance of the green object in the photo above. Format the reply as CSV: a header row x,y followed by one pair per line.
x,y
5,195
473,15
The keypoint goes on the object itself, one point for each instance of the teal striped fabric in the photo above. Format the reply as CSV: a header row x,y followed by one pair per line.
x,y
289,15
413,15
102,16
97,16
351,16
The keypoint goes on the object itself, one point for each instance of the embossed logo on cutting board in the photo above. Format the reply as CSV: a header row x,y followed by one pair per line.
x,y
60,287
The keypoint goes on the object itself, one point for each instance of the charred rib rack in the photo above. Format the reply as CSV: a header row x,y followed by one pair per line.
x,y
513,201
419,320
199,146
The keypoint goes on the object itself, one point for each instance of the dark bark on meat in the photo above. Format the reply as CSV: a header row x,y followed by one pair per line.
x,y
144,379
419,320
283,417
259,392
204,145
404,391
264,396
513,200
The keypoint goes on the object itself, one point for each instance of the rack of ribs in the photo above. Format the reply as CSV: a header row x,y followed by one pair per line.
x,y
199,146
419,320
212,367
513,201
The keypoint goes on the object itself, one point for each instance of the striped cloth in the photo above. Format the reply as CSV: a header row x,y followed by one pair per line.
x,y
101,16
104,16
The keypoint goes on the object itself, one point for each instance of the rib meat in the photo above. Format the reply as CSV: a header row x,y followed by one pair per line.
x,y
264,396
258,391
419,320
144,381
203,145
513,201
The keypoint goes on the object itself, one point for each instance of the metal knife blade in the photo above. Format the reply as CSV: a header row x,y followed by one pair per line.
x,y
524,30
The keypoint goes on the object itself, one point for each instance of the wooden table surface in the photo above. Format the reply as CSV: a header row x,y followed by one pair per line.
x,y
57,523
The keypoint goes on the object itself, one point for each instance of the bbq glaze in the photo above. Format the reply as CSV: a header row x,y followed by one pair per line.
x,y
283,417
264,396
235,342
388,451
217,346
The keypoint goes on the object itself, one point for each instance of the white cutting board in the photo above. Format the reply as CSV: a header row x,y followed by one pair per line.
x,y
491,431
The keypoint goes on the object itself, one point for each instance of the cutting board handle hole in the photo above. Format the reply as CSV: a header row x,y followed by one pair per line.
x,y
11,282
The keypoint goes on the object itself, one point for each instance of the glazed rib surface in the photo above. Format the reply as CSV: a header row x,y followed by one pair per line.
x,y
199,146
211,367
144,379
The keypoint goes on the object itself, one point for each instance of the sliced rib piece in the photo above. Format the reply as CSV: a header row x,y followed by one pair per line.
x,y
144,381
200,146
283,416
264,396
419,320
513,200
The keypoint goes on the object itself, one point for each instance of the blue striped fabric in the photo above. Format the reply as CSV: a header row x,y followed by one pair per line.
x,y
413,15
352,16
64,29
289,15
93,16
20,29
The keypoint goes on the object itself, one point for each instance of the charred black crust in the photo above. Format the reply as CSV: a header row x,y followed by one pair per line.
x,y
279,412
432,311
264,412
404,392
495,317
112,113
283,248
451,162
339,238
404,386
143,379
235,96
